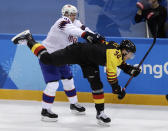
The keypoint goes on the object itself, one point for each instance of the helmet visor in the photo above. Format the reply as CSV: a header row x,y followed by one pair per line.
x,y
128,55
131,55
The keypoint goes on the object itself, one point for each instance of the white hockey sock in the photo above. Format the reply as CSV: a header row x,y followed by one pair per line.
x,y
49,95
70,90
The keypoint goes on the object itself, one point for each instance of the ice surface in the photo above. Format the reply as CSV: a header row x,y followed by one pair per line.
x,y
25,116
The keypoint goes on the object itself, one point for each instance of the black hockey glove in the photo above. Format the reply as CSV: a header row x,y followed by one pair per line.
x,y
135,71
129,69
92,38
121,94
100,38
116,88
144,4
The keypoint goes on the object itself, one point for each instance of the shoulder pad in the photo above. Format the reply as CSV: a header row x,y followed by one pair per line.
x,y
113,45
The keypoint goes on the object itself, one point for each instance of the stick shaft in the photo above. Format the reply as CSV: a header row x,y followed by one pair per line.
x,y
154,41
123,93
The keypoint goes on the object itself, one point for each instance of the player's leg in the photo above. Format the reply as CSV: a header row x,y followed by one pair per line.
x,y
51,76
70,91
93,76
68,55
98,97
37,49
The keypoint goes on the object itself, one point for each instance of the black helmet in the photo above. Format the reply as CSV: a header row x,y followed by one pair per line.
x,y
128,46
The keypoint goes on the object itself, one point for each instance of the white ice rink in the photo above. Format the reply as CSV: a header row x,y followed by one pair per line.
x,y
25,116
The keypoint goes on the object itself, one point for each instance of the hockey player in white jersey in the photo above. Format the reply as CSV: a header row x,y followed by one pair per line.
x,y
89,57
63,33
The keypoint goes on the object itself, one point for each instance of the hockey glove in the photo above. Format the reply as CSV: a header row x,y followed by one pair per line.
x,y
116,88
92,38
121,94
135,71
143,4
100,38
129,69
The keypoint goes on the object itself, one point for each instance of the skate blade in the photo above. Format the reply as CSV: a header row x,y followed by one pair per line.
x,y
77,112
47,119
99,122
20,34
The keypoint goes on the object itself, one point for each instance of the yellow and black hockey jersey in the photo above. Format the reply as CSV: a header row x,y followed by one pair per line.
x,y
113,60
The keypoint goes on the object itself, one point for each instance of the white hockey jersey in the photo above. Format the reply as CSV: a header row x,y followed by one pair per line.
x,y
63,33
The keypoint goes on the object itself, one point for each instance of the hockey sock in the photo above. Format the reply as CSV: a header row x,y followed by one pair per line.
x,y
70,91
71,94
47,101
49,95
37,49
98,98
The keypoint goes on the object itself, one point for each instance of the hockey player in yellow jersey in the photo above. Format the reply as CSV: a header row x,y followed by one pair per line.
x,y
89,56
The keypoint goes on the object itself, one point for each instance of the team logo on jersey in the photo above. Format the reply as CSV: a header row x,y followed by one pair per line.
x,y
62,24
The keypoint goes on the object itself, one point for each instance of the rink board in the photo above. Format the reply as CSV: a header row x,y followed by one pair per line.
x,y
20,74
137,99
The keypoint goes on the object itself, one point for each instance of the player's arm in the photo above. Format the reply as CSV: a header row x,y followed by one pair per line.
x,y
68,28
83,27
87,29
129,69
112,61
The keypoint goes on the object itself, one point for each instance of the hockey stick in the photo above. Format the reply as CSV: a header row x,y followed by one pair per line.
x,y
123,93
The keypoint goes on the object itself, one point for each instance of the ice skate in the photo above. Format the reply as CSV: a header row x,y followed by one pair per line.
x,y
77,109
21,38
103,119
48,116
